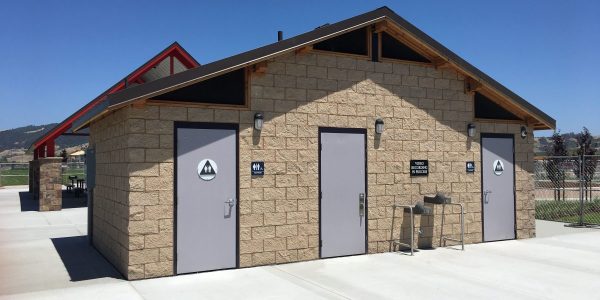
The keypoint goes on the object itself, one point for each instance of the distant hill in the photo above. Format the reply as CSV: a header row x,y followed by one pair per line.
x,y
542,143
23,137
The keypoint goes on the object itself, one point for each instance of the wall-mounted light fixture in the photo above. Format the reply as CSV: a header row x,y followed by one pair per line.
x,y
471,130
524,132
379,126
258,121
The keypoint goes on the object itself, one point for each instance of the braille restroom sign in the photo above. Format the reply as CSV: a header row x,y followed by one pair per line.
x,y
207,169
257,168
498,167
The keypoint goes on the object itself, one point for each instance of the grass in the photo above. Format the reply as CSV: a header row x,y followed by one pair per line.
x,y
21,176
567,211
590,218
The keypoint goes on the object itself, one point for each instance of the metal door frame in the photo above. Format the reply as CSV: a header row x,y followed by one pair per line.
x,y
204,125
498,135
362,131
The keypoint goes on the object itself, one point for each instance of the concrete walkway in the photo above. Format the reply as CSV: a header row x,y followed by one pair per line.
x,y
46,255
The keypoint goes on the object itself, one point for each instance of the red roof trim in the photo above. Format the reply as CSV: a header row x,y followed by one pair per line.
x,y
173,50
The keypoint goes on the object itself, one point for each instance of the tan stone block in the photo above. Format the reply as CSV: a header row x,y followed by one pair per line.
x,y
165,197
165,225
286,205
166,254
275,218
142,140
143,227
164,239
251,220
286,256
173,113
274,193
286,230
159,155
263,258
159,127
161,183
308,229
297,217
166,141
263,232
136,213
227,116
251,246
275,244
136,184
143,198
135,125
308,254
136,242
135,272
142,169
245,260
286,180
157,212
263,206
146,112
143,256
158,269
200,114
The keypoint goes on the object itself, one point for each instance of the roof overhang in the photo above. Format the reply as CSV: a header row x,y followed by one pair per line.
x,y
153,68
536,118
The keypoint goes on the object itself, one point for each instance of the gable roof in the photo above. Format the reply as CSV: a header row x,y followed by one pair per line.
x,y
186,78
151,70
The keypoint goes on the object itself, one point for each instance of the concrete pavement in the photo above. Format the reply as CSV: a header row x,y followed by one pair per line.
x,y
46,255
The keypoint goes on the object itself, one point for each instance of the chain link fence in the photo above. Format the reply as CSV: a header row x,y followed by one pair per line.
x,y
567,189
18,173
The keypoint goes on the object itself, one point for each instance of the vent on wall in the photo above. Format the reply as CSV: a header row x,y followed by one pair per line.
x,y
485,108
229,89
353,42
394,49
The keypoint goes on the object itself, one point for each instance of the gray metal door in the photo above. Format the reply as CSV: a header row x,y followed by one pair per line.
x,y
498,187
343,195
206,199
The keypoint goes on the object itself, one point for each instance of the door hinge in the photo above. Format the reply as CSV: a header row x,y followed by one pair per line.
x,y
321,243
320,195
320,146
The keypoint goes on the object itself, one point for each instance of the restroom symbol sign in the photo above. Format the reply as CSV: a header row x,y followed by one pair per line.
x,y
470,167
498,167
257,168
207,169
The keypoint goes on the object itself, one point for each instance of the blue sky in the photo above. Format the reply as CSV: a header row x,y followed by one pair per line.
x,y
58,55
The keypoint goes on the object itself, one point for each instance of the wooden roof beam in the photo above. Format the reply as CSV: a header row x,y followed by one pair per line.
x,y
381,27
472,85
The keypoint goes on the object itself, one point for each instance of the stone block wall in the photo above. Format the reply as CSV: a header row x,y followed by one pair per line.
x,y
111,203
426,113
49,189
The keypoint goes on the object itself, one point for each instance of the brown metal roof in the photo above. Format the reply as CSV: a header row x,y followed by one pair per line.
x,y
176,81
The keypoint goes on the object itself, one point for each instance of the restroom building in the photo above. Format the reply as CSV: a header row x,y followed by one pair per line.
x,y
297,150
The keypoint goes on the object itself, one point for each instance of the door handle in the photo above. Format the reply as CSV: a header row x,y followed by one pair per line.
x,y
229,204
361,204
486,199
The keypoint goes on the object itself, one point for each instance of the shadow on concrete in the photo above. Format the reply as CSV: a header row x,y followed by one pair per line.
x,y
27,202
74,199
81,260
69,200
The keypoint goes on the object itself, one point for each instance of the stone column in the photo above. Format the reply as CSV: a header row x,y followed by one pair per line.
x,y
50,183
